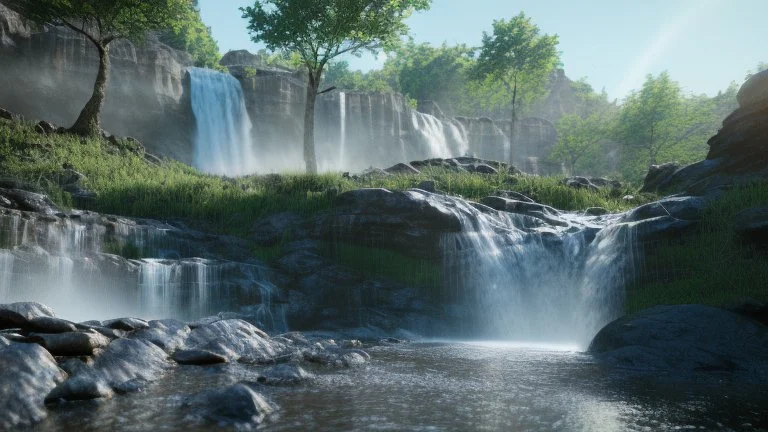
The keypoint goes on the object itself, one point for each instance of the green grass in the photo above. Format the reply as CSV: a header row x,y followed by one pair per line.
x,y
713,266
129,185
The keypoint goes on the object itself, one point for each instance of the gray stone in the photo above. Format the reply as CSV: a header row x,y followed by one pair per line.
x,y
428,186
166,334
71,344
754,92
51,325
27,373
198,357
659,177
237,405
686,339
284,374
274,228
235,340
126,324
20,314
78,388
683,208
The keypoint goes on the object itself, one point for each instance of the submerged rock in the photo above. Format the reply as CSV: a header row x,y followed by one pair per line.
x,y
685,339
238,405
284,374
81,387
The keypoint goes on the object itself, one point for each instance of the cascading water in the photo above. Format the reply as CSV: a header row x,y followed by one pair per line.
x,y
442,139
223,143
520,280
342,128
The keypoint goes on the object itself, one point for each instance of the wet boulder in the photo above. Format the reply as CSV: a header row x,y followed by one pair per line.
x,y
659,177
51,325
198,357
681,208
235,340
126,324
167,334
28,373
71,344
15,315
125,360
238,405
284,374
78,388
686,339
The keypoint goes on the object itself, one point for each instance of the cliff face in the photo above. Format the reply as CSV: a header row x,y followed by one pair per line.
x,y
48,73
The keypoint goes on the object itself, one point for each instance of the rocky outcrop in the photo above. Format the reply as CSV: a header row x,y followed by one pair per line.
x,y
738,154
685,340
459,164
48,74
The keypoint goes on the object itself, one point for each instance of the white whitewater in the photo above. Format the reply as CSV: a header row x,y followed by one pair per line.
x,y
223,143
442,139
342,129
537,285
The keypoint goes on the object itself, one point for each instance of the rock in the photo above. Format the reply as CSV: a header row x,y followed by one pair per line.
x,y
401,168
45,128
686,339
235,340
73,366
128,359
284,374
80,388
336,357
71,344
683,208
428,186
166,334
580,183
237,405
754,92
30,201
596,211
198,357
751,226
272,229
20,314
126,324
27,373
51,325
659,177
513,195
5,114
542,212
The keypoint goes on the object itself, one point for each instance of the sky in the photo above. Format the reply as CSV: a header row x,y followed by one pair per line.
x,y
614,44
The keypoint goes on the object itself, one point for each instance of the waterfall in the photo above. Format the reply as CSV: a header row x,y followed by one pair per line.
x,y
342,129
442,139
223,143
536,284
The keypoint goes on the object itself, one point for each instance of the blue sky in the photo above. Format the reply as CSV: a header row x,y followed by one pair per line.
x,y
704,44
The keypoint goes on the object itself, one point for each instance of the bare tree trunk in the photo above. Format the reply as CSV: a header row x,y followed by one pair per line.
x,y
514,124
309,124
88,123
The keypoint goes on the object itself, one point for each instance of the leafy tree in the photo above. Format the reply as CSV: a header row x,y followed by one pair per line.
x,y
579,139
194,37
658,120
102,22
340,76
517,55
321,30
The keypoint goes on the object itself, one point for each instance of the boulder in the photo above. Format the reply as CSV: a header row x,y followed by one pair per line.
x,y
428,186
5,114
27,373
45,128
166,334
284,374
751,226
51,325
754,92
198,357
272,229
659,177
238,405
234,340
71,344
20,314
125,360
29,201
684,208
126,324
684,340
81,387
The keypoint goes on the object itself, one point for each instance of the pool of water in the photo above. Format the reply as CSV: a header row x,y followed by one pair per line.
x,y
446,386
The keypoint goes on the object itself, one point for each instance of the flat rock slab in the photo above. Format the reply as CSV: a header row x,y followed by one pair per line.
x,y
71,344
686,339
20,314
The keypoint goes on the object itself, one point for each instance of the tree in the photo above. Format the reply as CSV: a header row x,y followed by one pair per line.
x,y
517,55
658,118
102,22
321,30
194,37
579,138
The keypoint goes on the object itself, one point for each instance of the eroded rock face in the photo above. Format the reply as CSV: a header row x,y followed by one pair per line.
x,y
50,72
686,339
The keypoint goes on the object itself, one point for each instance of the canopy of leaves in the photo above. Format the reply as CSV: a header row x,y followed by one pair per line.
x,y
579,141
340,76
320,30
103,21
517,55
194,37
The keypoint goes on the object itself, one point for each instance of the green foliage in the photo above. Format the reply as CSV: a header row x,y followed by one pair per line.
x,y
106,20
659,124
579,139
713,266
338,75
194,37
517,55
128,185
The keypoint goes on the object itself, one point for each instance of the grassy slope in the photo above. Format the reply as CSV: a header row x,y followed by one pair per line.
x,y
710,267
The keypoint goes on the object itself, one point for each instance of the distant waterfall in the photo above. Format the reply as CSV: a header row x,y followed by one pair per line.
x,y
443,139
223,143
342,128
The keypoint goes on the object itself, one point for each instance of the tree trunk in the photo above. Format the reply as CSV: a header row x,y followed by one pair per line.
x,y
309,124
87,123
514,124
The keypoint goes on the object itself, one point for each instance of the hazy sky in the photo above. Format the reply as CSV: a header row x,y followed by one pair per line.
x,y
704,44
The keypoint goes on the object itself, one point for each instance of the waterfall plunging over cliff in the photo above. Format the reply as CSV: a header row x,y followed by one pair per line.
x,y
223,142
